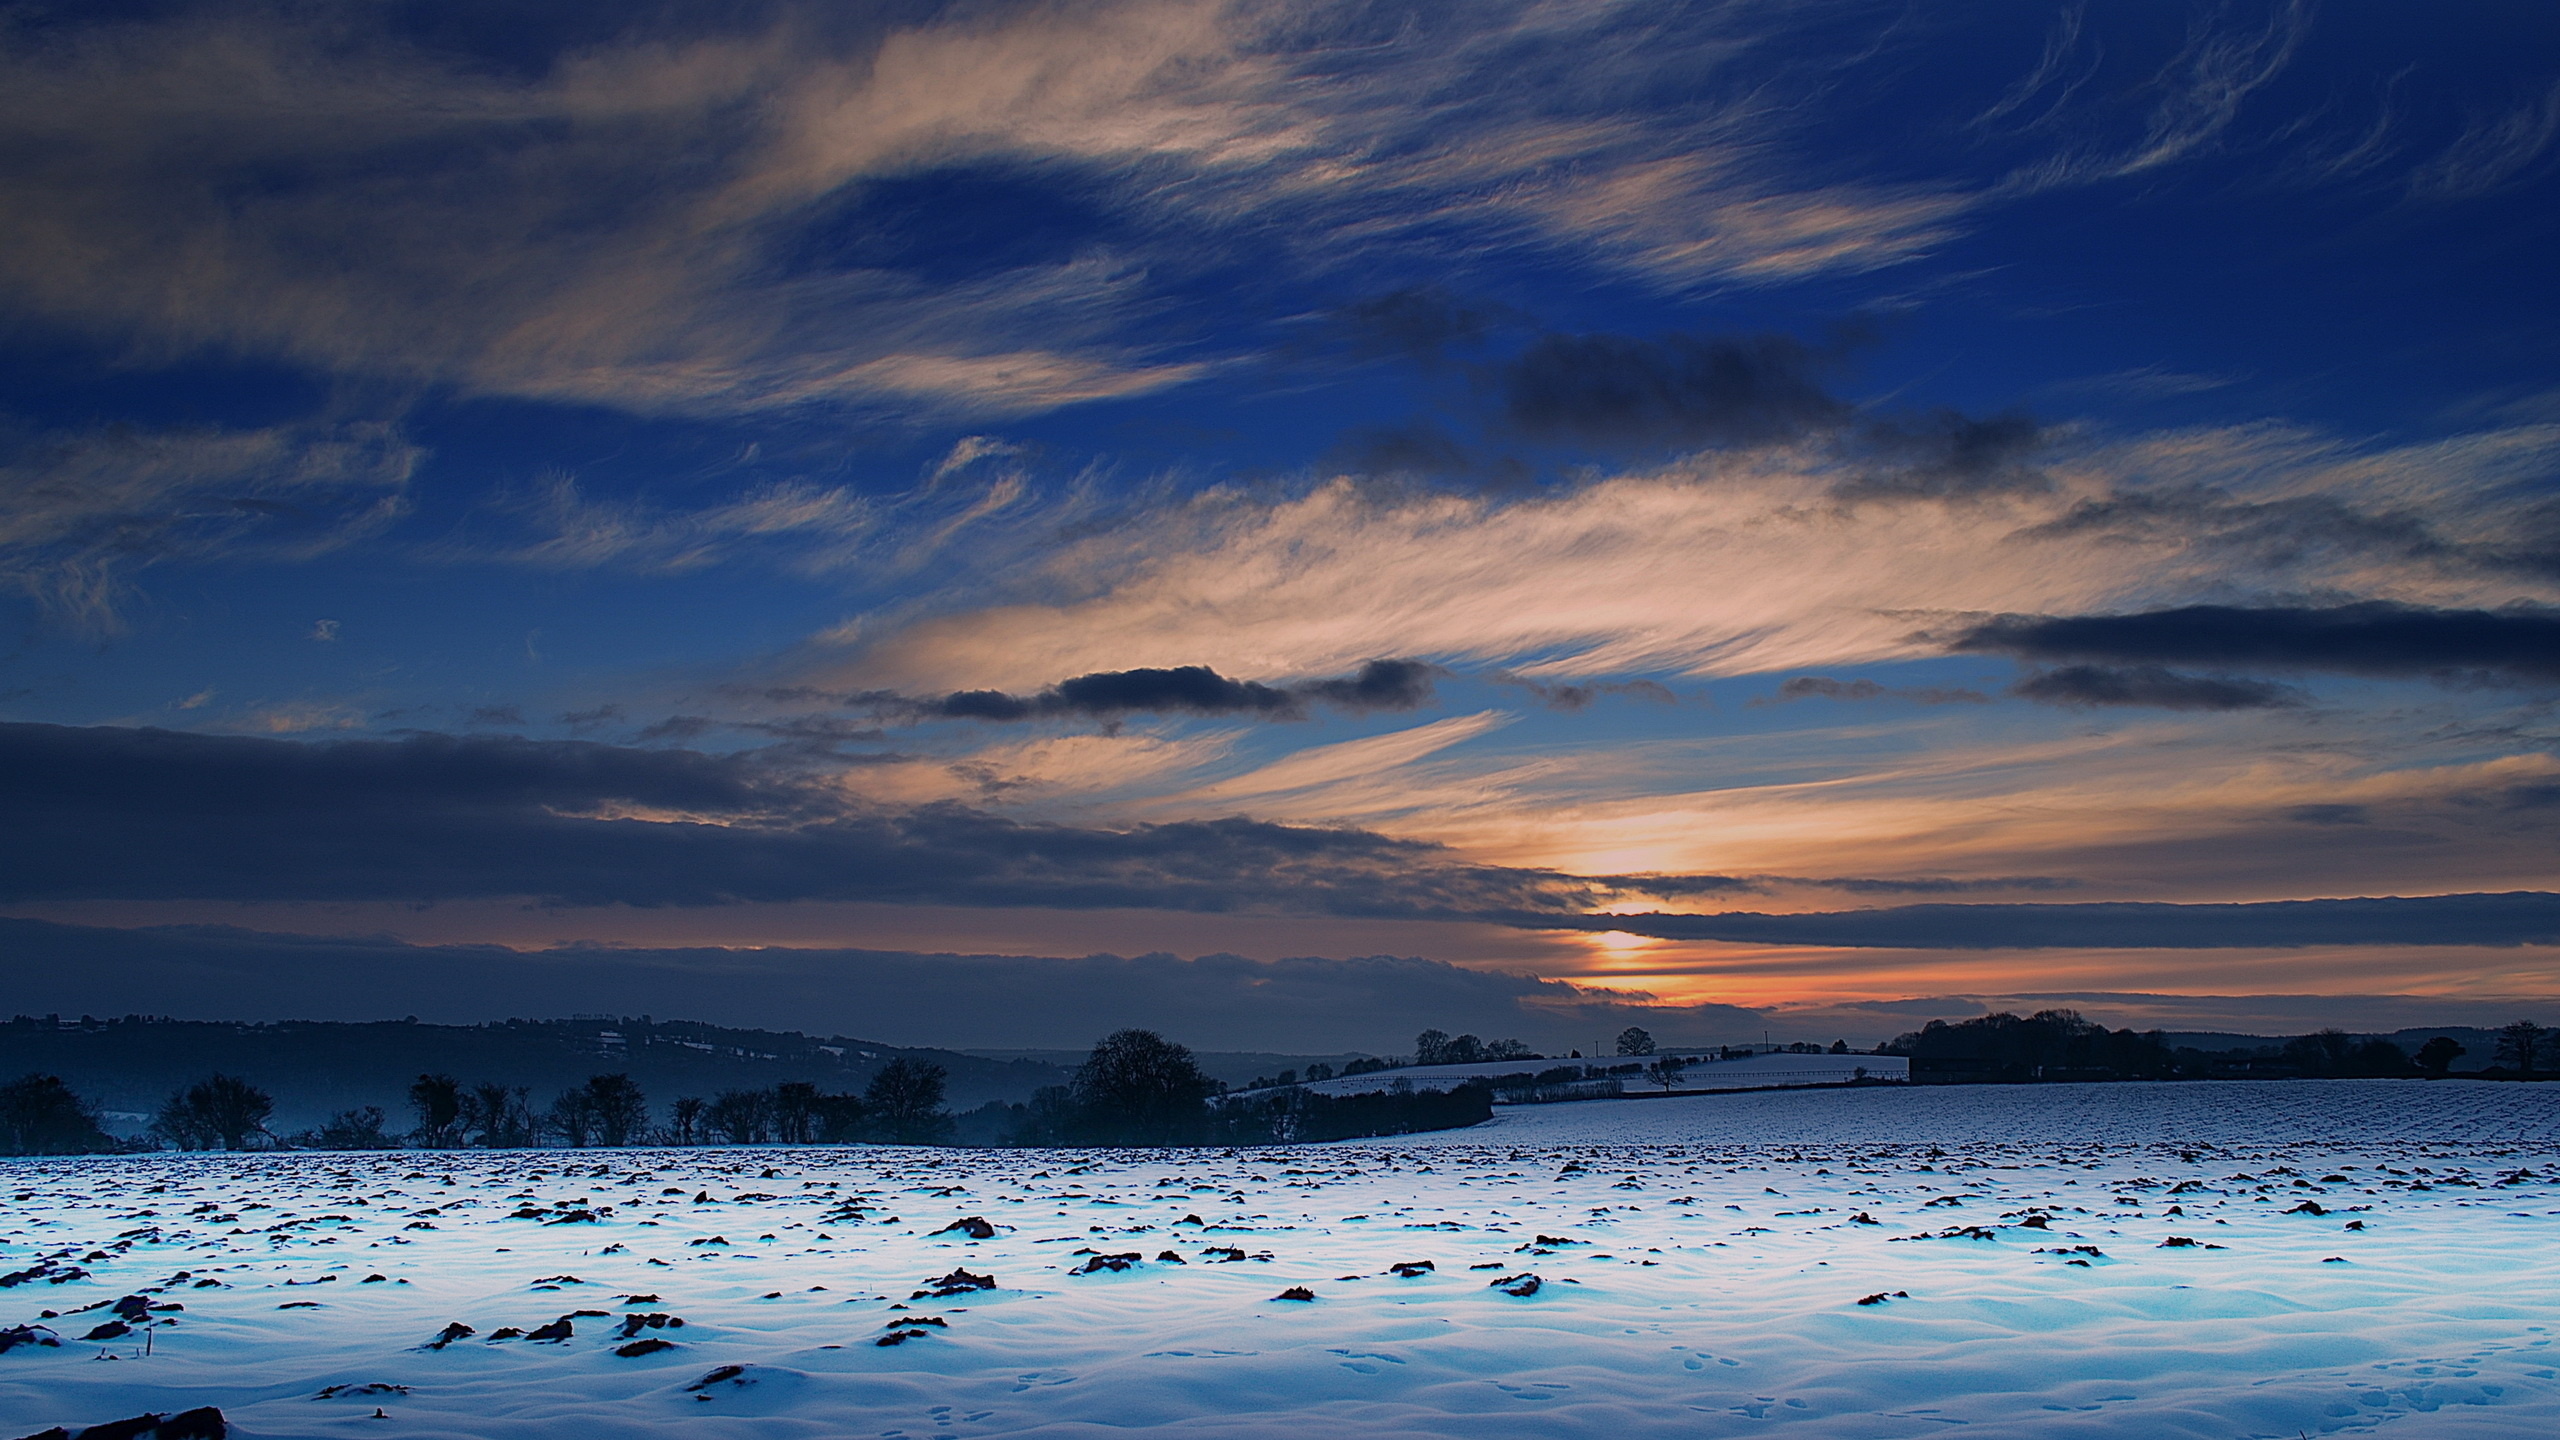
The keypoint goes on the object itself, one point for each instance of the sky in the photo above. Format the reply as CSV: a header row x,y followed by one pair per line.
x,y
1762,518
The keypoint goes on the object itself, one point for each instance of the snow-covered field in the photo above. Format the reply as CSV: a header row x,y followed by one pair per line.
x,y
2366,1255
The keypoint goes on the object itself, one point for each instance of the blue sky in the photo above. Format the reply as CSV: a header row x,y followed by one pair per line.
x,y
1524,462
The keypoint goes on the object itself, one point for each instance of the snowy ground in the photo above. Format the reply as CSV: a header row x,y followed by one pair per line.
x,y
1701,1266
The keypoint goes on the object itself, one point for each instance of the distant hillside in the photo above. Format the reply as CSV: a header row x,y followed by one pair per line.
x,y
315,1067
1236,1067
2480,1047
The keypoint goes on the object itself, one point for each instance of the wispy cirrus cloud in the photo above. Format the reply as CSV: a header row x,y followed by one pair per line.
x,y
81,514
2493,152
657,220
1788,557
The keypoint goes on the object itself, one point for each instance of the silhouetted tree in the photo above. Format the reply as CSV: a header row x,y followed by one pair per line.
x,y
1052,1118
437,1099
2335,1054
357,1129
1666,1070
2322,1052
1138,1088
502,1116
1431,1047
217,1110
2437,1055
572,1117
2377,1058
795,1112
741,1117
1839,1047
1319,1071
904,1100
1634,1041
686,1114
843,1120
1296,1116
616,1108
2048,1045
2521,1047
41,1115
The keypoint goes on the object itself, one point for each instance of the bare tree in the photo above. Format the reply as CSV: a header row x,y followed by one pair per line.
x,y
741,1117
686,1114
795,1112
2522,1047
1634,1041
616,1108
905,1102
217,1110
502,1116
357,1129
842,1120
573,1117
1666,1070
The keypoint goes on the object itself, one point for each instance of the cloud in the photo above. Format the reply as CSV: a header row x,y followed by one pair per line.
x,y
114,813
1937,884
2518,918
678,727
1315,778
1304,1005
2154,686
1418,322
2195,97
805,527
1720,563
2203,88
1673,391
1557,695
1813,687
1213,1002
80,513
2492,154
666,217
1946,455
2371,638
1197,690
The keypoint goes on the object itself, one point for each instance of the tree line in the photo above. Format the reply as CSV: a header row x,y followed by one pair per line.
x,y
2063,1045
1135,1088
902,1105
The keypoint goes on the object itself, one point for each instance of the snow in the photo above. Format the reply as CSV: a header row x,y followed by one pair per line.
x,y
1711,1286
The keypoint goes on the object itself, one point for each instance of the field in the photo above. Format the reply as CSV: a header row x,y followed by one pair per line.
x,y
2270,1259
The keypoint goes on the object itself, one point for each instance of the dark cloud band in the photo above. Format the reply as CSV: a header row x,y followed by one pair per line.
x,y
2373,638
107,813
1197,690
2517,918
2155,686
1671,390
115,814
